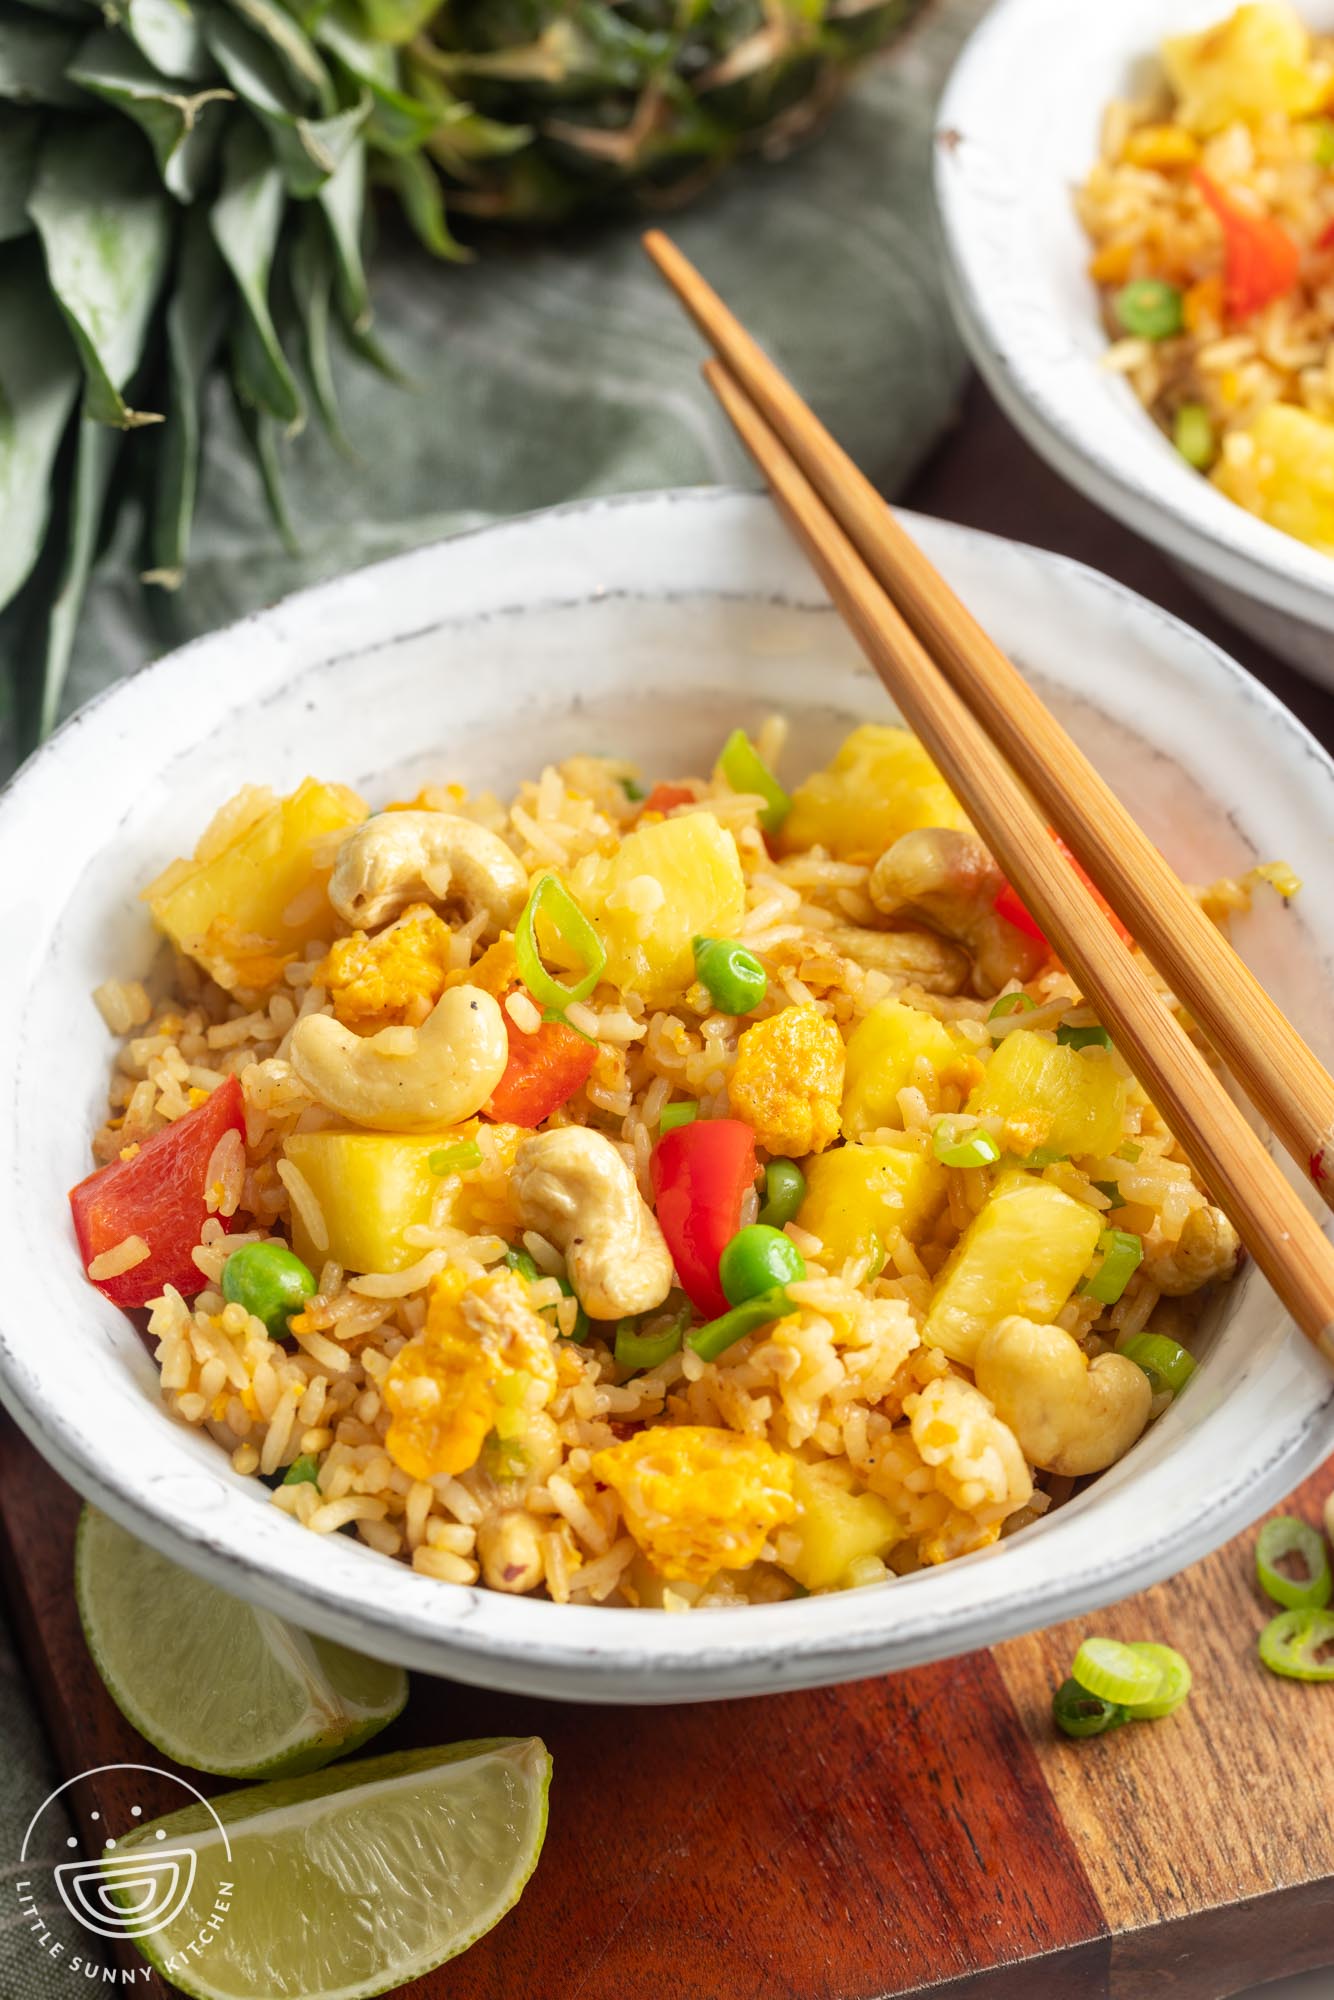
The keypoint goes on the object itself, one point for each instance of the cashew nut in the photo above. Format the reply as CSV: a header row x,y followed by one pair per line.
x,y
398,858
511,1551
573,1186
916,956
407,1079
948,880
1206,1249
1069,1416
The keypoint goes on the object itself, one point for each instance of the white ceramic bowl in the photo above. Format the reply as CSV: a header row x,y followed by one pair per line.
x,y
1017,131
648,626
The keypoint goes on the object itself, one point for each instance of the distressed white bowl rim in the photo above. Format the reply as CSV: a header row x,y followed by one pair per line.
x,y
65,1354
1017,130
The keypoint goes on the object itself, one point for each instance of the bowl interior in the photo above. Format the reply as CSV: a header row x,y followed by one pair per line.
x,y
1020,123
649,628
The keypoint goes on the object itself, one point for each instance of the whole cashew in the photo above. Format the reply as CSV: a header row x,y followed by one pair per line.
x,y
407,1079
1068,1416
1206,1249
573,1186
398,858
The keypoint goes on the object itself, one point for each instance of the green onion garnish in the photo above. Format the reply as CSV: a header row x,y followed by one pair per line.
x,y
649,1350
1285,1538
1129,1152
714,1338
784,1192
1122,1255
673,1115
1322,135
1194,436
553,903
633,790
1300,1645
1149,308
1043,1156
1083,1038
520,1261
1175,1682
303,1471
746,771
1166,1365
1077,1713
1116,1672
1112,1190
973,1147
455,1159
1011,1003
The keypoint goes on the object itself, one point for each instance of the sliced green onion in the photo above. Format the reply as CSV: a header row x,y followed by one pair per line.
x,y
1116,1672
1300,1645
649,1350
1166,1365
673,1115
1083,1038
455,1159
553,903
1194,436
1078,1713
1284,1538
1012,1003
714,1338
969,1147
1122,1255
1149,308
746,771
520,1261
1043,1156
784,1192
1175,1683
1112,1190
633,790
303,1471
1129,1152
555,1014
733,977
1322,136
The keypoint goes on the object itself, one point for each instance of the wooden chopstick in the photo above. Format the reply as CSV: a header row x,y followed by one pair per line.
x,y
1268,1213
1281,1075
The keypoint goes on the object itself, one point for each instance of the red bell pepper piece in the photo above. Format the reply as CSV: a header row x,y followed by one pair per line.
x,y
159,1193
1260,260
701,1174
663,797
544,1070
1326,237
1009,905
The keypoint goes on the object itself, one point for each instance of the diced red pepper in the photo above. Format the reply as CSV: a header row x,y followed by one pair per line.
x,y
1009,905
1326,237
663,798
1261,261
701,1174
544,1070
159,1193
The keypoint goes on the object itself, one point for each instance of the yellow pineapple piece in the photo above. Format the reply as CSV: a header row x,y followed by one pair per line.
x,y
372,1186
1070,1102
880,784
668,882
1255,64
881,1057
696,1499
857,1193
247,910
1024,1253
1288,477
836,1525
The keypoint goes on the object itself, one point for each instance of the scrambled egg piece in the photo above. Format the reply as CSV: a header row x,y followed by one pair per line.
x,y
482,1362
787,1081
396,976
698,1500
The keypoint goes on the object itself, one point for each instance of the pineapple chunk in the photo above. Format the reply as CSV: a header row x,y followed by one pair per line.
x,y
881,1055
1024,1254
879,785
247,911
1069,1101
859,1192
667,883
835,1525
1255,64
372,1186
1289,478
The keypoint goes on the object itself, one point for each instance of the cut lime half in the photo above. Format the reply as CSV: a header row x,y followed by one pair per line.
x,y
213,1682
348,1883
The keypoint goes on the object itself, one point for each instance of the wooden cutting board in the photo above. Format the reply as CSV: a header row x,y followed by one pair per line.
x,y
927,1833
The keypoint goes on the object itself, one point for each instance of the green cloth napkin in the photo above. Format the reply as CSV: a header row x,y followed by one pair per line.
x,y
542,374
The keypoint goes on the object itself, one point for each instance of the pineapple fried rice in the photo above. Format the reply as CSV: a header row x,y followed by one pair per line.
x,y
678,1200
1211,211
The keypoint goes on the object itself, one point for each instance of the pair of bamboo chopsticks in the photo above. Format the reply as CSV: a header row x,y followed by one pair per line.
x,y
983,724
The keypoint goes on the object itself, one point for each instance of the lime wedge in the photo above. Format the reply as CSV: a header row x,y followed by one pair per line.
x,y
212,1682
341,1885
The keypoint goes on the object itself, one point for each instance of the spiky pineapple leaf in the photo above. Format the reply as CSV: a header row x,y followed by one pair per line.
x,y
264,437
97,449
342,200
398,121
397,21
105,223
169,34
295,49
184,128
308,150
418,188
19,133
65,10
196,321
39,381
246,219
311,272
34,52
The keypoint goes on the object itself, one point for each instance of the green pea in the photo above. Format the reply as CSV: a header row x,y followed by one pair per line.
x,y
757,1259
735,979
1149,308
270,1281
784,1192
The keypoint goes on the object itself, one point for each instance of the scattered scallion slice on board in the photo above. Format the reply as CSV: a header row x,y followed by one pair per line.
x,y
1282,1540
1174,1686
1299,1645
1078,1713
1116,1672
